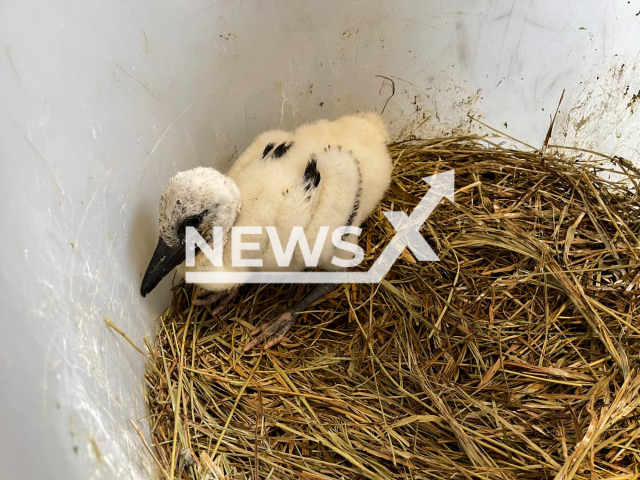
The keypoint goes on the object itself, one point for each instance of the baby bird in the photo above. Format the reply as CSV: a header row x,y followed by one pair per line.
x,y
324,174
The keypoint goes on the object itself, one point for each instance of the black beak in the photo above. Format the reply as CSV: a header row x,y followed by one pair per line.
x,y
164,260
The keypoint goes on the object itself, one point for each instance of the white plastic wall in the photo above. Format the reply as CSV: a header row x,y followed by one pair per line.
x,y
102,101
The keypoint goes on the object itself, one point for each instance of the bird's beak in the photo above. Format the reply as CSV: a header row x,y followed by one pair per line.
x,y
164,260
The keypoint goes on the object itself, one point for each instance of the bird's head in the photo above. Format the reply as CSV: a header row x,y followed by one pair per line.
x,y
201,198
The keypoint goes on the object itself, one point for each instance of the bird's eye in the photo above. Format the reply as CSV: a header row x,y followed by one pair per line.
x,y
192,221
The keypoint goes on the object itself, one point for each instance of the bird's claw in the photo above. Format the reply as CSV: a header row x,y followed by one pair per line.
x,y
271,333
205,298
209,298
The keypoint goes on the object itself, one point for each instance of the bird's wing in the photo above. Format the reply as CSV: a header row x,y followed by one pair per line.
x,y
299,200
324,192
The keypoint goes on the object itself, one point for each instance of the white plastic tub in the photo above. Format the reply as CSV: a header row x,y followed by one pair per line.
x,y
101,102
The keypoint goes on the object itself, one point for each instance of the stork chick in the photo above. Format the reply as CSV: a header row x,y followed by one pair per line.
x,y
324,174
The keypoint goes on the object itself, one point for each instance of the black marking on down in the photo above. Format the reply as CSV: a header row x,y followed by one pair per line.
x,y
311,174
267,149
281,149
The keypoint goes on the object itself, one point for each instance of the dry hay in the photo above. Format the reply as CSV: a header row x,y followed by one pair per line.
x,y
515,356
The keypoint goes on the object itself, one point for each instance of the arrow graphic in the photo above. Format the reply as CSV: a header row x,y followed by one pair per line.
x,y
407,235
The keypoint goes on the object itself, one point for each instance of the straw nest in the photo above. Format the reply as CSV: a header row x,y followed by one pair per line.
x,y
515,356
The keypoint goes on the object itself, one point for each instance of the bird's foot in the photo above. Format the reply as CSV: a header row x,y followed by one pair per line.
x,y
205,297
271,333
209,298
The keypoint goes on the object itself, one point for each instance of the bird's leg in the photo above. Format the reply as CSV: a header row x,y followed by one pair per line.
x,y
230,296
272,333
